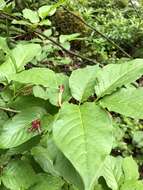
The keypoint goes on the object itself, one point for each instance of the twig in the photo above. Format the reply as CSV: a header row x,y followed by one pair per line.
x,y
135,9
98,32
66,50
9,110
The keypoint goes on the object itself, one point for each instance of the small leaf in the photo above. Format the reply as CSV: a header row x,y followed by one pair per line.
x,y
112,171
128,102
4,46
3,118
82,82
2,4
47,10
31,15
42,156
18,175
130,169
138,138
70,37
45,22
21,22
84,135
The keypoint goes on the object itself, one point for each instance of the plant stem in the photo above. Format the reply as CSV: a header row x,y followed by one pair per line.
x,y
66,50
9,110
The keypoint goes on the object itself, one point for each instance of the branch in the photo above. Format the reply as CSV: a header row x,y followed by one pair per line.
x,y
9,110
7,16
64,49
98,32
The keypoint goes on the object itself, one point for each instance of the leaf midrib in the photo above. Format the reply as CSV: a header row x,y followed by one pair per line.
x,y
85,140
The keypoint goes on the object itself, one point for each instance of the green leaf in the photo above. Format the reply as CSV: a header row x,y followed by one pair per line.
x,y
24,53
47,182
25,147
69,37
46,78
41,155
37,76
31,15
130,169
138,138
15,131
114,76
2,4
45,22
3,45
40,92
3,117
21,22
20,56
53,93
112,171
84,135
132,185
24,102
18,175
47,10
63,166
128,102
82,82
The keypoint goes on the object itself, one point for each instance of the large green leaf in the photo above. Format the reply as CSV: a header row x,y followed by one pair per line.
x,y
114,76
84,135
37,76
82,82
15,131
18,175
24,102
47,182
46,78
20,56
128,102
